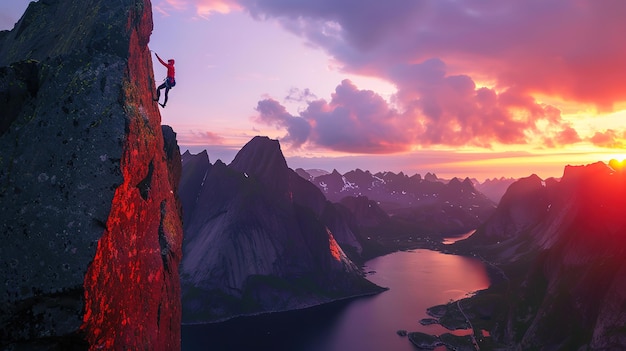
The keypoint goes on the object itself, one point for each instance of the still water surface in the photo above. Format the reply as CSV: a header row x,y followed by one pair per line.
x,y
417,280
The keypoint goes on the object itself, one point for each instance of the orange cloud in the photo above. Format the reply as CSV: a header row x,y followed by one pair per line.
x,y
610,139
436,110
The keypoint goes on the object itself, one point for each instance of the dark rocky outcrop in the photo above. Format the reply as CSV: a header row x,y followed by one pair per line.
x,y
494,188
90,228
196,168
255,240
523,206
366,211
558,258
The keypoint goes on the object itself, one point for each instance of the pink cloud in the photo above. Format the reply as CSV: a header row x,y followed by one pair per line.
x,y
203,8
358,121
207,7
453,111
353,121
440,110
567,136
194,137
610,138
572,50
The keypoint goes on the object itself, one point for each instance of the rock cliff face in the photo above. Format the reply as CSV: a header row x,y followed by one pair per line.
x,y
522,207
90,228
255,241
366,211
561,244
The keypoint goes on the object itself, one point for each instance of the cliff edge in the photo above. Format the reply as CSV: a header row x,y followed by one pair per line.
x,y
90,226
557,252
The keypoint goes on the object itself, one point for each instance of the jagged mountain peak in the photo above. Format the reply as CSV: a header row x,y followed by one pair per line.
x,y
454,181
431,177
263,159
260,153
202,157
359,171
465,184
416,177
335,173
522,187
198,166
246,241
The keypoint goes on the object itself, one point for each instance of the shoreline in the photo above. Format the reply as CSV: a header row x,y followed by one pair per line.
x,y
493,274
446,335
339,300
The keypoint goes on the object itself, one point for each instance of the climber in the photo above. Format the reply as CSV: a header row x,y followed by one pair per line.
x,y
169,82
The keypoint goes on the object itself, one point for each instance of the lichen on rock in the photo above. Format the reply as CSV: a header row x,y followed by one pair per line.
x,y
89,258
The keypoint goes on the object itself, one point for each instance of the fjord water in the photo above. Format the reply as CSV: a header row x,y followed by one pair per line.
x,y
416,280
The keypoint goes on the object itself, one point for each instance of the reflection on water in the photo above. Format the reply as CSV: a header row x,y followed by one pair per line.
x,y
453,239
417,280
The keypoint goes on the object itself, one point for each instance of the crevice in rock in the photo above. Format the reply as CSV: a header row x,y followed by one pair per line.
x,y
163,244
159,315
144,184
19,84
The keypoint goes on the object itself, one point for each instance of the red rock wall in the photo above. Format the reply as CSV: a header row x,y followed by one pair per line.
x,y
132,288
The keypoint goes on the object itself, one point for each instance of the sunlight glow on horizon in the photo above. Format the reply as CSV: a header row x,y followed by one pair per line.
x,y
218,42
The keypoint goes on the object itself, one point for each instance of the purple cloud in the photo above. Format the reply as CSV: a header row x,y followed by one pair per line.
x,y
567,49
435,110
271,112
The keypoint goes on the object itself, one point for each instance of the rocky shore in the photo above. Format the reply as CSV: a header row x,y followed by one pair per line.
x,y
450,341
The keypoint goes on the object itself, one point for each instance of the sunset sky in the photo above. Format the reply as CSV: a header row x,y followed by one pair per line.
x,y
479,88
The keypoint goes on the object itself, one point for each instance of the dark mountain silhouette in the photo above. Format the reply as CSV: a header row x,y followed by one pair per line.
x,y
494,188
255,239
557,249
523,206
425,206
90,228
366,211
310,174
192,180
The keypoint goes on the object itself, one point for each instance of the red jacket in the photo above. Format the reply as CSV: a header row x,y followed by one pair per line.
x,y
170,67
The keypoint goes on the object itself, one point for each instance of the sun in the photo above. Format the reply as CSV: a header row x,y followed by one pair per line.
x,y
617,165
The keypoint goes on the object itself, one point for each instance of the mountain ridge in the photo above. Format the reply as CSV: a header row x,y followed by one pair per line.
x,y
429,205
563,254
256,241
